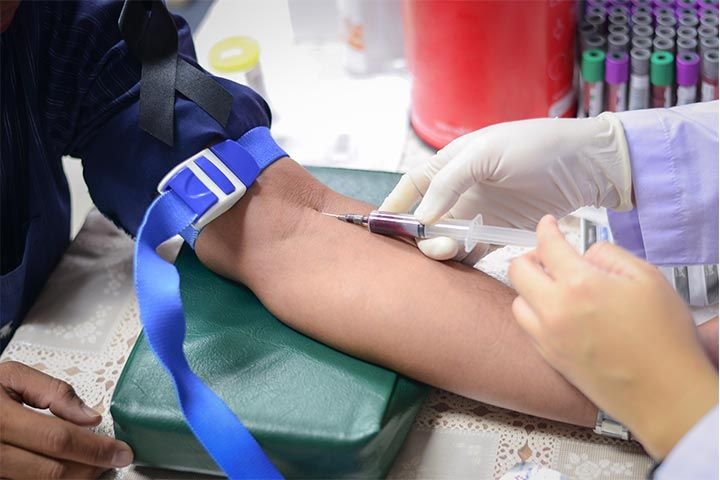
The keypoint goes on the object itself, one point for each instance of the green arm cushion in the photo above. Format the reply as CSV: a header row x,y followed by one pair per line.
x,y
317,412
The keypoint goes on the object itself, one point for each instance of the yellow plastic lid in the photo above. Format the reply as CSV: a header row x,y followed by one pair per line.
x,y
235,54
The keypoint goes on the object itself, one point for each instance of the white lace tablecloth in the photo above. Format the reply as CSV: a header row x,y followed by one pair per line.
x,y
85,323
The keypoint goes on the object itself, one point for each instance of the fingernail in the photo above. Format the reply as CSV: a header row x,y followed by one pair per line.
x,y
123,457
90,412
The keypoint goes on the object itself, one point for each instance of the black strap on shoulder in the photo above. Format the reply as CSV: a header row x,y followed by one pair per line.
x,y
151,35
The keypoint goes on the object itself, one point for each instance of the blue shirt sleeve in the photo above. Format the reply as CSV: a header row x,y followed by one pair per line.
x,y
123,164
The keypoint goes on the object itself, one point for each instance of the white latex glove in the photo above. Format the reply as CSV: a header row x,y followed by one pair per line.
x,y
515,173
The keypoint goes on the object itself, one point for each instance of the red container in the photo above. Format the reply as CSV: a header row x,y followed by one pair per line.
x,y
479,62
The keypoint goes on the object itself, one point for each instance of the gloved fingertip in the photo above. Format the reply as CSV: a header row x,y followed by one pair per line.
x,y
440,248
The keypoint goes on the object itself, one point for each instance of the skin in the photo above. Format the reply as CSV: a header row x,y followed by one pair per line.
x,y
33,445
638,356
380,299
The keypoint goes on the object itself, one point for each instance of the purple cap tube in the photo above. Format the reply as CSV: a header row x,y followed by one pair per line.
x,y
681,12
688,69
617,67
619,11
685,3
663,11
642,10
664,3
703,4
640,3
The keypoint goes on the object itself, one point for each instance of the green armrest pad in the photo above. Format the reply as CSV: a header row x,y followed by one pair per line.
x,y
317,412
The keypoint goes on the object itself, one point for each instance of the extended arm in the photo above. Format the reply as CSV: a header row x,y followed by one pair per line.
x,y
380,299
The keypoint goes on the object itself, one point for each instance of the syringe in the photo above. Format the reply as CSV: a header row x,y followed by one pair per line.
x,y
470,232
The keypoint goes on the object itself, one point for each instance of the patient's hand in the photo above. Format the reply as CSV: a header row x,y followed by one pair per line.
x,y
380,299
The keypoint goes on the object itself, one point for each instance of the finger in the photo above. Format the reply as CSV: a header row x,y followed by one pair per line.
x,y
17,463
531,282
403,197
448,184
478,252
439,248
56,438
613,259
40,390
554,251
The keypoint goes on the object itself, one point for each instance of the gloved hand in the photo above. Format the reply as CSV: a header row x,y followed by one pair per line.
x,y
614,327
514,173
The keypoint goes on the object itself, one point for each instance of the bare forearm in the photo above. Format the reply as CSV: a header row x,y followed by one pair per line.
x,y
379,299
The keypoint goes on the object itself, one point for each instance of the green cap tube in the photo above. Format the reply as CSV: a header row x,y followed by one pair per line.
x,y
662,69
593,65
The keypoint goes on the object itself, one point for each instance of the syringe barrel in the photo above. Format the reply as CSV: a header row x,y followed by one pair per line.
x,y
395,224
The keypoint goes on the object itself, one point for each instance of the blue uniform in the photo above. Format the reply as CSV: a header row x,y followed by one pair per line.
x,y
70,86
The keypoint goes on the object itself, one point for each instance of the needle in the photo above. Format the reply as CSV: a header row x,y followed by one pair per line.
x,y
334,215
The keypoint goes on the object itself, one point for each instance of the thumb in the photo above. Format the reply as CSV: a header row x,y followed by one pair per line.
x,y
40,390
448,185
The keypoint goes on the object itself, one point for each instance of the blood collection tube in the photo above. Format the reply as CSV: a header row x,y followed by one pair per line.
x,y
686,32
709,21
685,4
664,3
666,21
708,44
689,21
688,76
619,30
640,3
642,31
639,19
706,31
686,45
619,12
661,79
598,21
616,77
593,73
642,10
663,44
709,84
643,43
705,4
665,32
618,42
709,12
684,12
639,95
663,12
595,42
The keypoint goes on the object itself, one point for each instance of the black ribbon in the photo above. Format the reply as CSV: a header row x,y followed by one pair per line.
x,y
151,35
